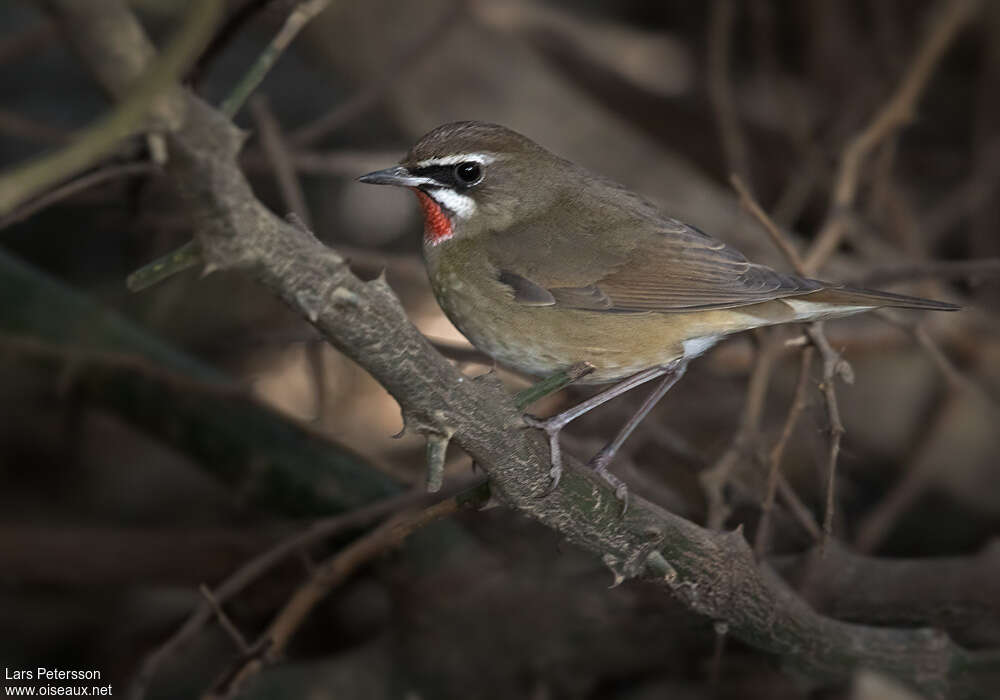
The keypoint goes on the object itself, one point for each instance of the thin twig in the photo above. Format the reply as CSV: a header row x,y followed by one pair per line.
x,y
722,18
678,445
778,451
178,260
833,366
235,22
190,254
398,68
264,562
956,378
328,575
72,187
784,244
948,17
83,359
95,141
714,479
19,127
303,13
802,514
803,180
737,158
227,624
272,140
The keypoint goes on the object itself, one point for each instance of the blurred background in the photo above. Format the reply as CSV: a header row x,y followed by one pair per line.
x,y
154,442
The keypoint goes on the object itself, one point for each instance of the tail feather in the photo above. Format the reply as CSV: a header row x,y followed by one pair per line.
x,y
855,296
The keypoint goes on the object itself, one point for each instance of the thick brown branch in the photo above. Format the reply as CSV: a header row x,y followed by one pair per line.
x,y
953,593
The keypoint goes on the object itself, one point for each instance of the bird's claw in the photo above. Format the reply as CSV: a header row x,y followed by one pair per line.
x,y
555,474
555,453
600,468
534,422
599,463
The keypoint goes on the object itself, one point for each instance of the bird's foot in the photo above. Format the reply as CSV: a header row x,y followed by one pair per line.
x,y
551,427
599,463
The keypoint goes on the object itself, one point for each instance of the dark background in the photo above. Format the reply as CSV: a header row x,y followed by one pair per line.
x,y
134,428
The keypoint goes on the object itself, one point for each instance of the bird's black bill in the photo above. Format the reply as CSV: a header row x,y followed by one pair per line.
x,y
398,175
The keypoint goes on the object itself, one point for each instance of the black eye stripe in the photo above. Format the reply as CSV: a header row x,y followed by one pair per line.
x,y
442,173
446,175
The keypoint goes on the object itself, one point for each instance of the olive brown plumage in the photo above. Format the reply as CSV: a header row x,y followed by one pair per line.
x,y
542,264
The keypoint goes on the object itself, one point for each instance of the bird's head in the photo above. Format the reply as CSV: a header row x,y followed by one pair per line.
x,y
474,177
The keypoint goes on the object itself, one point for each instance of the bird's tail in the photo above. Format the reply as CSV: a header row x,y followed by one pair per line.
x,y
855,296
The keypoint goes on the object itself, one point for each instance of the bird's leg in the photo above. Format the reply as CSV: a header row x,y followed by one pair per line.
x,y
599,462
552,426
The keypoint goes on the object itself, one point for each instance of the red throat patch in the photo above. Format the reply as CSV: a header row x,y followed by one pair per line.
x,y
437,225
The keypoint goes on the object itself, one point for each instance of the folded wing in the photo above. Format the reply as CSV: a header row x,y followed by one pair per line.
x,y
678,268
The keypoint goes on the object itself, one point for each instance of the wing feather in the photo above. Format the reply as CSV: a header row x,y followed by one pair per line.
x,y
681,269
625,256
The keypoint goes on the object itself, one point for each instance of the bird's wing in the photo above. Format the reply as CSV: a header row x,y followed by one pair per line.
x,y
669,266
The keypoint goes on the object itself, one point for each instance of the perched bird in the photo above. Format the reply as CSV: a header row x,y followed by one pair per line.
x,y
542,265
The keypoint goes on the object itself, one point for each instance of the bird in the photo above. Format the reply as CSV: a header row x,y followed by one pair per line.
x,y
542,265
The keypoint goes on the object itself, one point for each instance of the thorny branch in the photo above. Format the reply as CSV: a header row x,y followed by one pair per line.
x,y
713,573
834,366
466,491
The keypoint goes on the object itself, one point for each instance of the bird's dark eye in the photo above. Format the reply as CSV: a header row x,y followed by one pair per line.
x,y
468,173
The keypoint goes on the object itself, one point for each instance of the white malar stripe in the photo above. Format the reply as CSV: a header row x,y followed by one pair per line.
x,y
811,310
481,158
696,346
461,205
